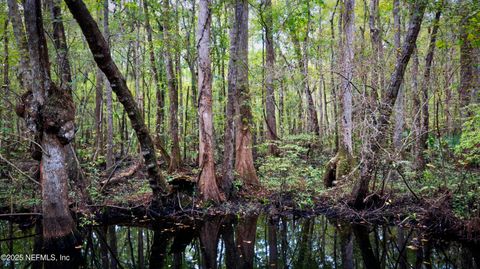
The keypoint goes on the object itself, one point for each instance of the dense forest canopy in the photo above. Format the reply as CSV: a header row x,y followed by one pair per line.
x,y
357,101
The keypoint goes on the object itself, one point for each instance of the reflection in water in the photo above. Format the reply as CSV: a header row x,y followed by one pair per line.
x,y
248,242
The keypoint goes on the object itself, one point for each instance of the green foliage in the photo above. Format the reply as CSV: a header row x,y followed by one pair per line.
x,y
469,147
291,169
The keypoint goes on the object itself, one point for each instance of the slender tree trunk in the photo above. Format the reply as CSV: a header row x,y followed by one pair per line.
x,y
332,78
60,42
99,83
5,87
269,78
112,245
101,52
24,72
140,251
416,112
173,89
369,158
207,183
136,66
229,136
108,93
312,112
159,91
399,104
346,86
467,66
420,158
377,47
243,137
302,59
272,243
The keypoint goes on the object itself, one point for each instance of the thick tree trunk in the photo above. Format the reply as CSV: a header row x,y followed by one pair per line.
x,y
369,155
245,241
75,173
101,53
207,183
341,165
269,78
56,132
243,137
210,231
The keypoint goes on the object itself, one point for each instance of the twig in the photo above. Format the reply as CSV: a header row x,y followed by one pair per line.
x,y
18,169
406,183
20,214
20,237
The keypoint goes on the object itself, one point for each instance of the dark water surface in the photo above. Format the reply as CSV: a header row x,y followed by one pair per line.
x,y
245,242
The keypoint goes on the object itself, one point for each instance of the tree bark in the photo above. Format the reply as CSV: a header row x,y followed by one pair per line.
x,y
369,158
229,136
58,224
207,183
341,165
269,78
243,137
60,41
75,173
101,53
346,85
175,161
108,92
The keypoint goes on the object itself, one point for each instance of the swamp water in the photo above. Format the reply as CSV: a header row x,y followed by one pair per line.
x,y
245,242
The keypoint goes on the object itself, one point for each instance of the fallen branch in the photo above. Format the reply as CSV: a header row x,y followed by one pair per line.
x,y
122,175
